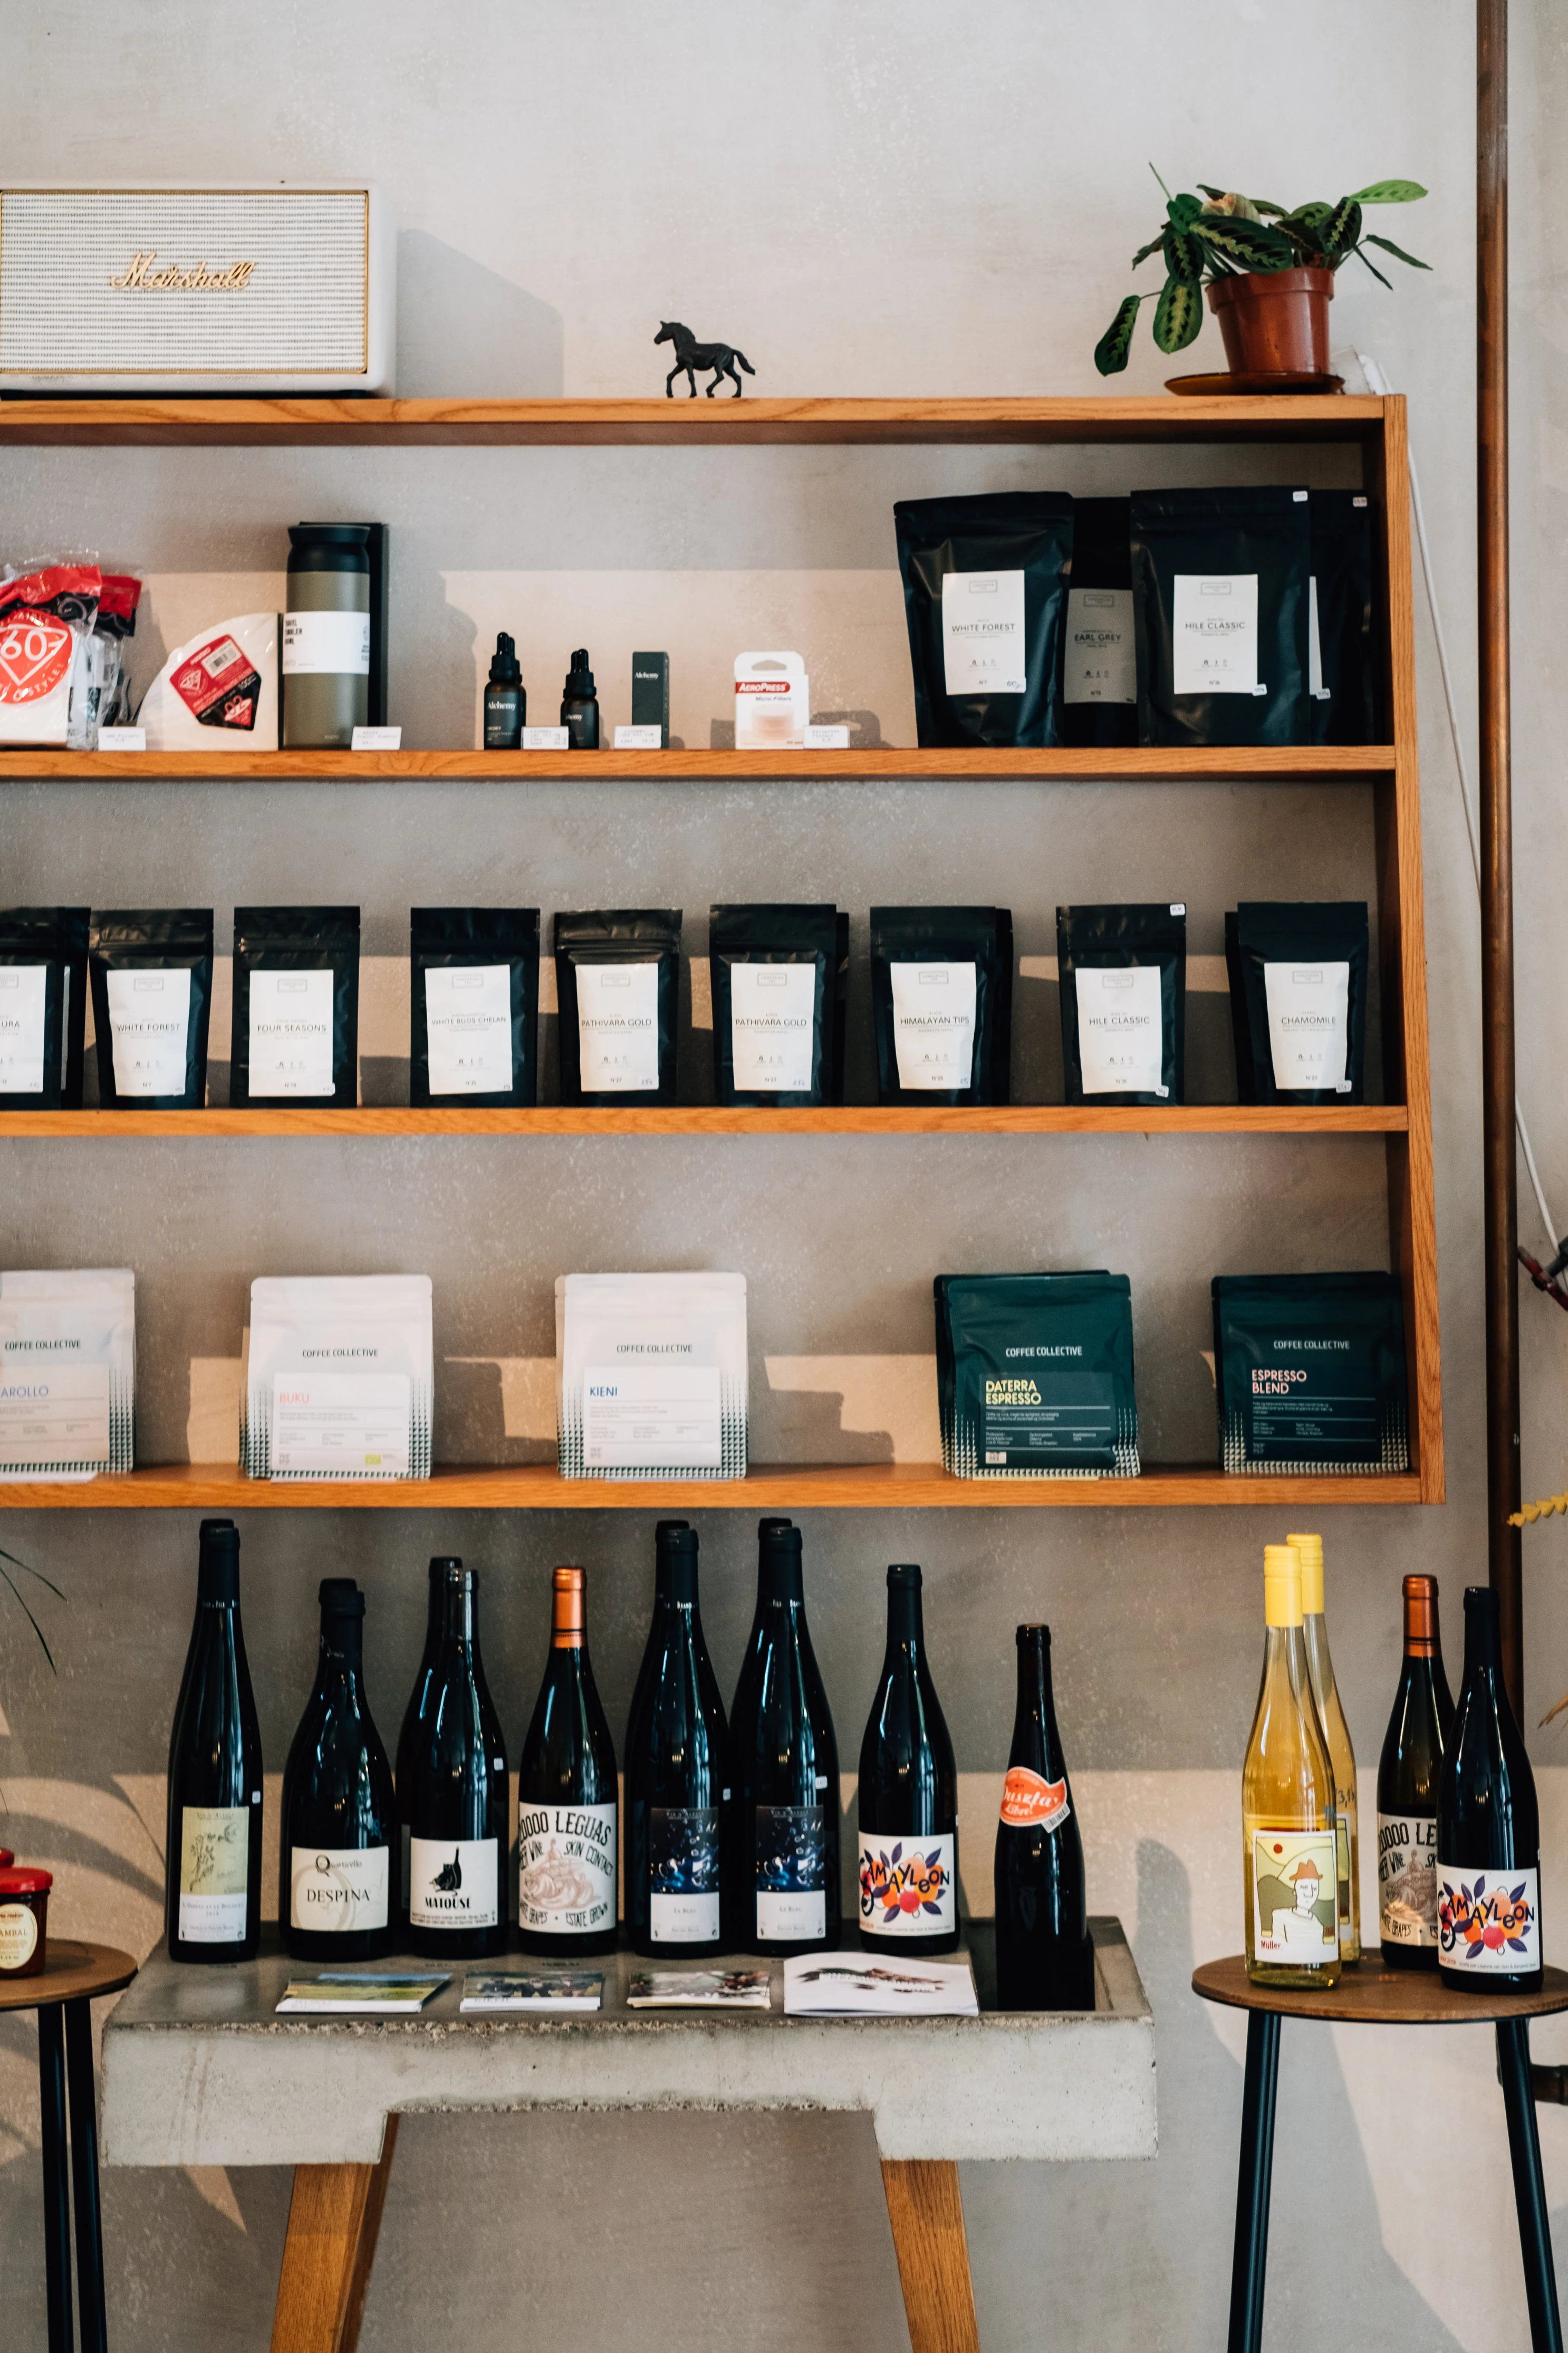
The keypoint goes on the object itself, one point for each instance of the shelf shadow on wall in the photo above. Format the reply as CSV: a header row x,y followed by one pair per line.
x,y
464,330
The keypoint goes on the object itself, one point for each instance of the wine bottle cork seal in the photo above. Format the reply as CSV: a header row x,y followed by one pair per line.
x,y
1281,1585
566,1620
1310,1549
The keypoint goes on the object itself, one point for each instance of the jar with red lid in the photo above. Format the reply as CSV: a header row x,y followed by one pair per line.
x,y
6,1858
24,1920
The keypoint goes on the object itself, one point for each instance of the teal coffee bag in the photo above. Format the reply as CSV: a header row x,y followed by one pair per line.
x,y
1310,1372
1033,1375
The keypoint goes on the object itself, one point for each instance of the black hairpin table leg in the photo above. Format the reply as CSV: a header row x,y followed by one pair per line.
x,y
84,2174
56,2200
1251,2256
1528,2189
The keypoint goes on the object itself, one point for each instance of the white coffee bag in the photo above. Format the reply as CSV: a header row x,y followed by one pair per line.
x,y
68,1373
652,1375
339,1379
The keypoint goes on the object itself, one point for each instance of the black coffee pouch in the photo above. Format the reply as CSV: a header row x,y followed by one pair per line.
x,y
1099,670
1221,580
151,970
43,1007
941,1004
1123,986
473,998
617,989
775,977
985,583
1310,1372
1341,658
296,1006
1033,1375
1298,1000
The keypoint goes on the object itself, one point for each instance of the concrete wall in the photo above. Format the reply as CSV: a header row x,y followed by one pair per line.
x,y
867,200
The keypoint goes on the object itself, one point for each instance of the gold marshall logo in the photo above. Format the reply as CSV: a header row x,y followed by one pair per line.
x,y
144,278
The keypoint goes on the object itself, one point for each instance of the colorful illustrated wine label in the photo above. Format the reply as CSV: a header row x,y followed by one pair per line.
x,y
454,1883
336,1891
1029,1800
683,1874
1488,1921
214,1858
1407,1879
565,1870
791,1872
908,1887
1295,1918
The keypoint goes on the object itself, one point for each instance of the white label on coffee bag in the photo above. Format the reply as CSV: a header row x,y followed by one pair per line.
x,y
332,1891
150,1014
983,633
342,1424
1315,687
617,1027
468,1028
773,1017
1120,1030
1101,652
651,1417
1309,1024
22,993
57,1414
1213,633
454,1883
336,644
933,1023
1488,1921
291,1034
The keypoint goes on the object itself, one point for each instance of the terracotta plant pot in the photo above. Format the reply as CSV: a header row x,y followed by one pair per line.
x,y
1275,322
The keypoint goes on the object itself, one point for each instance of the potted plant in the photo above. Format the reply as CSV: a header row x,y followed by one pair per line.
x,y
1269,275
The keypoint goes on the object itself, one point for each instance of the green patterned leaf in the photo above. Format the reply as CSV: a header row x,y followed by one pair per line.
x,y
1145,251
1342,231
1247,245
1361,255
1110,351
1310,217
1184,211
1397,250
1178,316
1388,192
1184,257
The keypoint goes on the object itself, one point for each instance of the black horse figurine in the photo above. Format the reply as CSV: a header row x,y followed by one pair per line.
x,y
722,358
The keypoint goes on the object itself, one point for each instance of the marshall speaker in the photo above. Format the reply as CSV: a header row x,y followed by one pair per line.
x,y
187,289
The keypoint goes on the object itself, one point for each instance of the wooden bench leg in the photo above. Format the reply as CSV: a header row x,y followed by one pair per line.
x,y
335,2215
927,2215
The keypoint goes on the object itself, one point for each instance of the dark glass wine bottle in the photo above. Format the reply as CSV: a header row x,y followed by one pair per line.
x,y
412,1731
1409,1774
456,1794
676,1787
782,1852
566,1850
334,1881
908,1795
1043,1956
213,1909
1489,1829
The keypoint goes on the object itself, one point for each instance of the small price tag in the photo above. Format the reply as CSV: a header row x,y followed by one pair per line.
x,y
639,739
826,739
122,739
376,739
545,739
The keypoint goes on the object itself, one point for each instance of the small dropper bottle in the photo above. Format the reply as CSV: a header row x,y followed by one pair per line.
x,y
579,705
506,699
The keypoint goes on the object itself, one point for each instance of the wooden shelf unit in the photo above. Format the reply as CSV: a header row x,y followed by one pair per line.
x,y
713,1119
1376,426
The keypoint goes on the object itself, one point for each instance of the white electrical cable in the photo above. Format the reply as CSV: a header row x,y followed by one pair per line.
x,y
1377,382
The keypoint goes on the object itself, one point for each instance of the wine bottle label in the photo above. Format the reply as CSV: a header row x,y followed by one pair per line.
x,y
19,1936
1295,1880
566,1870
683,1874
1028,1799
1488,1921
908,1887
454,1883
334,1891
1407,1879
792,1871
214,1859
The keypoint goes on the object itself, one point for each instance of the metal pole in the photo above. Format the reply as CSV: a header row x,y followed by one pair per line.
x,y
1497,834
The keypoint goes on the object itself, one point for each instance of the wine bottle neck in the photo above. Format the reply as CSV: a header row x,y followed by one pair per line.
x,y
675,1582
1035,1683
342,1646
906,1624
567,1616
457,1617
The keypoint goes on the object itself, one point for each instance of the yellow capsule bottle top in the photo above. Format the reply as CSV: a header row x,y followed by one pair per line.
x,y
1312,1551
1281,1585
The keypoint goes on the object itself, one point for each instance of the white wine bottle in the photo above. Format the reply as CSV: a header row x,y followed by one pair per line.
x,y
1336,1732
1289,1851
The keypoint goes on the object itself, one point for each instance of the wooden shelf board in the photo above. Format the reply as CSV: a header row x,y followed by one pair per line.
x,y
709,1119
1307,764
539,1487
305,422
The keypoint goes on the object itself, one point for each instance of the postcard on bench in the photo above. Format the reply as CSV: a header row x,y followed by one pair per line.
x,y
853,1985
533,1990
336,1993
699,1990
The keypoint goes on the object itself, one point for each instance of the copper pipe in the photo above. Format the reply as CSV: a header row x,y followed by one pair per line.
x,y
1500,1167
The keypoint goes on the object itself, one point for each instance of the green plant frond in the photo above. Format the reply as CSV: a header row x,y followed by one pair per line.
x,y
1184,257
1178,316
1214,192
1145,251
1361,254
1110,351
28,1571
20,1599
1310,217
1247,245
1388,192
1342,231
1397,250
1183,211
1265,206
1165,190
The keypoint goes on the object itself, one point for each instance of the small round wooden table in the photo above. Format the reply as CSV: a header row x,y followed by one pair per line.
x,y
1371,1995
62,1993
